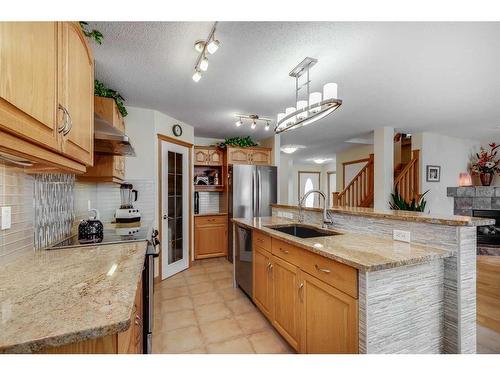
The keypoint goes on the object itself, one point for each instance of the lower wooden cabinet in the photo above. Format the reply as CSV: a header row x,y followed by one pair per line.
x,y
312,315
329,318
210,236
262,281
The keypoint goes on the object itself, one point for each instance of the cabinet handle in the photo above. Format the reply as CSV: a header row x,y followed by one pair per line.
x,y
284,251
137,320
301,288
64,125
269,267
325,270
261,240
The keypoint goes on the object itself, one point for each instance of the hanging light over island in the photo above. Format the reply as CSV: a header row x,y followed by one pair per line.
x,y
318,106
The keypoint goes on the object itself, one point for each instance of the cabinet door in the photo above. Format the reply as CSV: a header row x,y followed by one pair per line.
x,y
77,92
214,157
201,156
286,304
262,281
329,318
261,157
210,241
238,156
28,81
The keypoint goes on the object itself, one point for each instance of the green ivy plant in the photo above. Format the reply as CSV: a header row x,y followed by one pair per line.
x,y
398,203
100,89
94,34
238,142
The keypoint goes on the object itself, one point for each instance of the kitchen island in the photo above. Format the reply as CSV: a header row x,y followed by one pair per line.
x,y
77,299
416,297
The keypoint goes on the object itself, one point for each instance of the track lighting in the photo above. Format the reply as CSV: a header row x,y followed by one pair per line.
x,y
267,126
209,45
196,75
254,119
254,124
204,64
239,123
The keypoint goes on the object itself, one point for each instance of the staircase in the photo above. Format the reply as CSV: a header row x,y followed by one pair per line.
x,y
359,192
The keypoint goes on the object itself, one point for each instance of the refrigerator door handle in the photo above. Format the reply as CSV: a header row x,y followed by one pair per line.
x,y
259,191
254,194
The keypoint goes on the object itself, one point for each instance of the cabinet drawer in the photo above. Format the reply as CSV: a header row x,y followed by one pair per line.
x,y
338,275
262,240
209,220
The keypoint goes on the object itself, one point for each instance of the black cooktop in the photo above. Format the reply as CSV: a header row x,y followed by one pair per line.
x,y
110,235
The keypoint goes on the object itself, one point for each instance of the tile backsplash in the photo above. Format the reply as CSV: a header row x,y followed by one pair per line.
x,y
16,191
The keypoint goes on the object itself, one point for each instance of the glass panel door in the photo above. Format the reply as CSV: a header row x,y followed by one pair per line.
x,y
175,231
309,181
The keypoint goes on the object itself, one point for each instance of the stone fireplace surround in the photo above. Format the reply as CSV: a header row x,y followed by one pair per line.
x,y
467,199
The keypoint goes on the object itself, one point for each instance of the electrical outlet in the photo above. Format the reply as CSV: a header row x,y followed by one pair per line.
x,y
6,218
401,235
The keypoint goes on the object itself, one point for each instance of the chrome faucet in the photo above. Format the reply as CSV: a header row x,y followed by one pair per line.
x,y
327,219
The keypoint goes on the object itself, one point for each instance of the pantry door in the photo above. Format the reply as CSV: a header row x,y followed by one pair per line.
x,y
175,215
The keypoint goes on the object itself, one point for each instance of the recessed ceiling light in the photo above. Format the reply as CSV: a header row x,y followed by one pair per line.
x,y
321,161
362,141
290,149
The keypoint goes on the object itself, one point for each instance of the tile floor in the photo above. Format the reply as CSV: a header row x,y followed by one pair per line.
x,y
198,311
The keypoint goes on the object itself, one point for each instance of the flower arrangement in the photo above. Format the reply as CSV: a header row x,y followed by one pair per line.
x,y
486,161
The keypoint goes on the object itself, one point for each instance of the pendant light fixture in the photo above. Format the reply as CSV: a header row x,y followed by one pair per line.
x,y
210,45
318,105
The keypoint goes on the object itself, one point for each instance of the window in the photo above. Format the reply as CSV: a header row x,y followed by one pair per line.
x,y
309,181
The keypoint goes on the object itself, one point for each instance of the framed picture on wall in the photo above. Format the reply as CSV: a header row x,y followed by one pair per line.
x,y
433,173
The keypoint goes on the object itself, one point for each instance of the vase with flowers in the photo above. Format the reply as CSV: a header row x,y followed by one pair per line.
x,y
486,164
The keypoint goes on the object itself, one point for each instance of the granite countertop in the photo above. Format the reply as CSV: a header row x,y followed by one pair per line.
x,y
56,297
364,252
452,220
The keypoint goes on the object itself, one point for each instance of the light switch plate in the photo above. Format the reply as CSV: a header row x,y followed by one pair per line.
x,y
401,235
6,218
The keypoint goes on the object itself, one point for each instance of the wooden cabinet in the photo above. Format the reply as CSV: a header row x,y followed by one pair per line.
x,y
329,318
249,155
107,168
286,305
309,299
46,91
210,236
205,155
262,280
76,88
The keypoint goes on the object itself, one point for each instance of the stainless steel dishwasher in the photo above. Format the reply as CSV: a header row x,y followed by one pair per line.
x,y
243,259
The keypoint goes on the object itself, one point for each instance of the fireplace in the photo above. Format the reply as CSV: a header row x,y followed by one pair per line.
x,y
488,236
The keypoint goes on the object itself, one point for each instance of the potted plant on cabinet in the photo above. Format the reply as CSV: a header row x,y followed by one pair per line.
x,y
486,164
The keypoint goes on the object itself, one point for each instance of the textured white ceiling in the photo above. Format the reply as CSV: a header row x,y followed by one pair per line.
x,y
443,77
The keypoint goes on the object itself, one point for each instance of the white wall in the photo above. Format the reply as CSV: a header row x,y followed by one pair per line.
x,y
453,155
353,153
202,141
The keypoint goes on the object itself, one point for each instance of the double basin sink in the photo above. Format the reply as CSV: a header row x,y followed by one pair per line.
x,y
303,231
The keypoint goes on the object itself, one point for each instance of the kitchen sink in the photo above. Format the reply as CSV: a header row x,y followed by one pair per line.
x,y
303,231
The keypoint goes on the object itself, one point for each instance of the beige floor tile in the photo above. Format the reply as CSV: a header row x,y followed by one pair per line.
x,y
177,319
223,283
241,306
169,293
240,345
202,350
219,275
181,340
252,322
206,298
212,312
220,330
174,283
176,304
196,279
201,288
268,342
231,293
195,271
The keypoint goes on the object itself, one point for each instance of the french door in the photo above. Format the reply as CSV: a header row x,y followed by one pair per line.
x,y
175,208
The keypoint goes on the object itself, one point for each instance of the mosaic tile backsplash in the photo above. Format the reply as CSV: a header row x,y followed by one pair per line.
x,y
16,191
54,200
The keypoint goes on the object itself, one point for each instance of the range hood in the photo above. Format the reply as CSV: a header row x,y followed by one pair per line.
x,y
109,140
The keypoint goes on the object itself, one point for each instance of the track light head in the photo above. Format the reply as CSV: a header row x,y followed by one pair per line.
x,y
213,46
197,75
204,64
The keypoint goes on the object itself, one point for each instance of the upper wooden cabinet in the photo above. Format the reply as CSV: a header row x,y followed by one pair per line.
x,y
46,93
76,85
249,155
107,168
28,81
205,155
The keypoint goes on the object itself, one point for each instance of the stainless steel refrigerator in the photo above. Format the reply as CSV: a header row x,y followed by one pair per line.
x,y
252,189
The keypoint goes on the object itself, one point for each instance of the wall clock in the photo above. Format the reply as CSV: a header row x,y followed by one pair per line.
x,y
177,130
